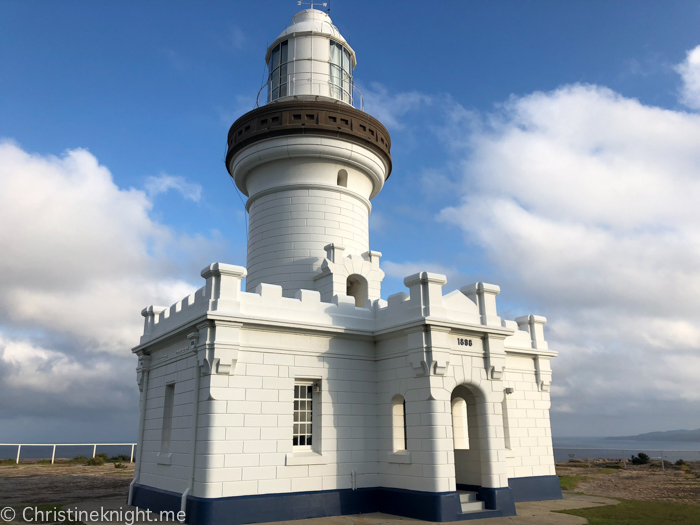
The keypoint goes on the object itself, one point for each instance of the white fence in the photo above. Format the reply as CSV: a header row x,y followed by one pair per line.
x,y
53,453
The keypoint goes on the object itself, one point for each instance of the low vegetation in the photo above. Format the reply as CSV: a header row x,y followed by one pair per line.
x,y
571,482
636,512
640,459
119,461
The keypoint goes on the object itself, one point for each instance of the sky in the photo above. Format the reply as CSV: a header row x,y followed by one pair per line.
x,y
552,148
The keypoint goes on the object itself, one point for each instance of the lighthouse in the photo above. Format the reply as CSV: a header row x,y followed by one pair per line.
x,y
307,394
310,163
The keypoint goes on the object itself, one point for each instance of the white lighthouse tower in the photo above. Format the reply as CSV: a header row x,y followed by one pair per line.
x,y
310,163
308,395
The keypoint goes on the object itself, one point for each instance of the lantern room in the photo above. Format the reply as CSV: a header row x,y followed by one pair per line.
x,y
310,57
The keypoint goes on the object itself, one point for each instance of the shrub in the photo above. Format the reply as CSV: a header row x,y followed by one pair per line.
x,y
640,459
119,458
96,461
680,462
119,464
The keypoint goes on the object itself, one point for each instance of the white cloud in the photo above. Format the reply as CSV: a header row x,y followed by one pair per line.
x,y
387,107
689,70
164,182
238,37
377,221
586,203
80,258
402,270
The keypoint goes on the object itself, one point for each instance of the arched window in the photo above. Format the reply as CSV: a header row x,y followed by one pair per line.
x,y
398,423
357,288
343,178
460,423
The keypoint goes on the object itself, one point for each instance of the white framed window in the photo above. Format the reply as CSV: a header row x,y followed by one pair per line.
x,y
398,423
304,410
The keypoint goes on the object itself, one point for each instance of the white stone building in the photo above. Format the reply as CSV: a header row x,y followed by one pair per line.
x,y
307,394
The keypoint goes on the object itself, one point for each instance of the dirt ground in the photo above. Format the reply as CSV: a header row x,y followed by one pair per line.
x,y
642,482
37,484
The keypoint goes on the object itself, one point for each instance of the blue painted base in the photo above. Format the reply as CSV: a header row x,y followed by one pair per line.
x,y
535,488
429,506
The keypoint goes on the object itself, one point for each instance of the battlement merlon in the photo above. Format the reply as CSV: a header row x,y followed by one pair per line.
x,y
484,296
223,287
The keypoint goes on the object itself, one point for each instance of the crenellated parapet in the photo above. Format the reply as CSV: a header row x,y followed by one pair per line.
x,y
472,308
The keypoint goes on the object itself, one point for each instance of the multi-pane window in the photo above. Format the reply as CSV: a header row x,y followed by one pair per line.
x,y
341,72
279,80
303,414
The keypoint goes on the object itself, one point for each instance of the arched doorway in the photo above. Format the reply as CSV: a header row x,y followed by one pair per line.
x,y
357,288
467,441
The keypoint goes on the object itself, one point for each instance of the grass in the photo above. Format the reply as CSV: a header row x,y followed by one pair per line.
x,y
635,512
571,482
608,470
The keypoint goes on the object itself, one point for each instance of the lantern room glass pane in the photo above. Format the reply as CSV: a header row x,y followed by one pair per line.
x,y
340,77
278,65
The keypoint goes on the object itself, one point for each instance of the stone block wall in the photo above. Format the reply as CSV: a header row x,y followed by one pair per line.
x,y
529,427
168,470
289,229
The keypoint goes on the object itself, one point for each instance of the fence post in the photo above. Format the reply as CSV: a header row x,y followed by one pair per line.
x,y
663,467
131,460
53,455
94,450
19,448
589,458
624,459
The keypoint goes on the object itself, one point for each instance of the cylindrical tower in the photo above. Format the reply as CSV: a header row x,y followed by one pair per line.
x,y
308,161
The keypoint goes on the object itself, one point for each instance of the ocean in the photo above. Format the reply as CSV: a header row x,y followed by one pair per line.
x,y
599,447
564,447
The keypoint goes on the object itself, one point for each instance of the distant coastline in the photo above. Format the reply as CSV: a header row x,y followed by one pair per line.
x,y
677,436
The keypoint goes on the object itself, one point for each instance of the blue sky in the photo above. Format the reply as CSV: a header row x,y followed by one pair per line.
x,y
548,147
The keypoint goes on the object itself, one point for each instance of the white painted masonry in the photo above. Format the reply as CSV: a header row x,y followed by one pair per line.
x,y
252,346
389,380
